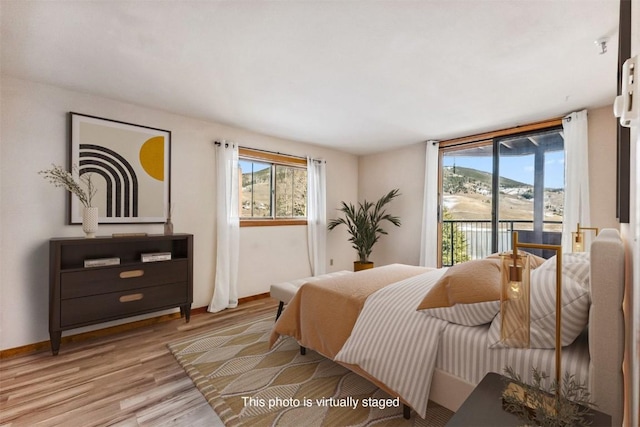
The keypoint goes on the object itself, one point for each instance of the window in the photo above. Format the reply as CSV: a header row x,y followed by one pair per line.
x,y
495,185
273,188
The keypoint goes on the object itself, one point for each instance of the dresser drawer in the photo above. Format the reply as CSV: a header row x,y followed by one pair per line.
x,y
100,280
78,311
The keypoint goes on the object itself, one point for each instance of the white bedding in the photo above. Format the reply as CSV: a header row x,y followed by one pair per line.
x,y
401,347
396,344
463,352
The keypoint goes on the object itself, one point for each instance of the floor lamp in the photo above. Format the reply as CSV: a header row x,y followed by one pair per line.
x,y
515,299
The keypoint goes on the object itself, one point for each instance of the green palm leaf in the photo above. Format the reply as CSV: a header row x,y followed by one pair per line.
x,y
364,223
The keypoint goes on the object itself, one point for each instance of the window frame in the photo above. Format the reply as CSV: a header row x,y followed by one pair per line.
x,y
273,159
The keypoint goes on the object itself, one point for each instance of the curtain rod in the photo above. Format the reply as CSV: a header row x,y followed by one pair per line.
x,y
218,143
272,152
500,133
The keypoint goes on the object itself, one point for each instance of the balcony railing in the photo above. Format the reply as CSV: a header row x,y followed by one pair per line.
x,y
464,240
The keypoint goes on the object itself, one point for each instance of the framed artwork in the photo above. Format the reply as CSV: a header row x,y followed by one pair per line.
x,y
129,166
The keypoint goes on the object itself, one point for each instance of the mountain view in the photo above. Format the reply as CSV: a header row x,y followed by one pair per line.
x,y
290,192
255,195
467,196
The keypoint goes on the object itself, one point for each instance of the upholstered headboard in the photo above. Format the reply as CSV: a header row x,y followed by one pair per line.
x,y
606,324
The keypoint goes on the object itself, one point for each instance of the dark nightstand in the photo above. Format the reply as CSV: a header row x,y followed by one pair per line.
x,y
483,407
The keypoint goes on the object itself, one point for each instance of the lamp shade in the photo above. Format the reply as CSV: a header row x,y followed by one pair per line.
x,y
515,299
577,241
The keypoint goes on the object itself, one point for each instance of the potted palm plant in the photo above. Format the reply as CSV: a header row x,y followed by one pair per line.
x,y
364,225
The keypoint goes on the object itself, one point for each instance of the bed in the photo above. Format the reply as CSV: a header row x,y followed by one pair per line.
x,y
370,323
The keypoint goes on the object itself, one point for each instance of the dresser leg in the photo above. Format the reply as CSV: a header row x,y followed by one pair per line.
x,y
55,338
185,310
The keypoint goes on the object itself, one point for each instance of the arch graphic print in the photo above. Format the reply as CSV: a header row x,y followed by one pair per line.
x,y
120,179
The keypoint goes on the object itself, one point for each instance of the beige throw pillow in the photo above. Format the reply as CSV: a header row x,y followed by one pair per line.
x,y
465,283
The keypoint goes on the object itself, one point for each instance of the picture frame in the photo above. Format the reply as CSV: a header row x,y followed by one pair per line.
x,y
130,167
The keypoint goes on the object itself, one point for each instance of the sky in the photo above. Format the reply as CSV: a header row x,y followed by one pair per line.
x,y
519,168
257,166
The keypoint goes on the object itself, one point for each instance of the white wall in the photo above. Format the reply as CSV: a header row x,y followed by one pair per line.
x,y
404,168
34,134
378,174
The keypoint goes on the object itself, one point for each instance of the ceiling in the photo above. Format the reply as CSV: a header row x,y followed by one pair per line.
x,y
359,76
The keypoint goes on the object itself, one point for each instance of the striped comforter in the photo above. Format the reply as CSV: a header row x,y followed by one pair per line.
x,y
396,344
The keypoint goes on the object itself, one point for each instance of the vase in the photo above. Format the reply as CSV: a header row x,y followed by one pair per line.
x,y
168,227
90,221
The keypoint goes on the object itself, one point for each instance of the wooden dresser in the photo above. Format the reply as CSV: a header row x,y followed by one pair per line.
x,y
81,296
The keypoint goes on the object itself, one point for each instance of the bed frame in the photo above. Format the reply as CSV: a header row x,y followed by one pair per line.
x,y
606,335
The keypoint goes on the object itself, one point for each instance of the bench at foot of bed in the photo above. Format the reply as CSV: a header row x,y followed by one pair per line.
x,y
286,290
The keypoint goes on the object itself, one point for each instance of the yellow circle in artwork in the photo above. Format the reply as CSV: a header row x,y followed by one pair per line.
x,y
152,157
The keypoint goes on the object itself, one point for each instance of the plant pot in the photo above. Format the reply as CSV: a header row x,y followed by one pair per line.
x,y
358,266
90,221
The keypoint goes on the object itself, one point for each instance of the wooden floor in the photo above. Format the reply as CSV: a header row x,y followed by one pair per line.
x,y
126,379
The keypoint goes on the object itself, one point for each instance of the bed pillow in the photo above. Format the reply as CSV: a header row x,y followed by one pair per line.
x,y
467,294
575,265
535,261
575,309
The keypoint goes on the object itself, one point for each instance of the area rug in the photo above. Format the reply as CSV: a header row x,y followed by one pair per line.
x,y
246,383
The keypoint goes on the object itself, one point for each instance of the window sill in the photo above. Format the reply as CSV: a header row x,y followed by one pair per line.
x,y
271,222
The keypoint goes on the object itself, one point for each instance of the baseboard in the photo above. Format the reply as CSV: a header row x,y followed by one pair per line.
x,y
253,298
46,345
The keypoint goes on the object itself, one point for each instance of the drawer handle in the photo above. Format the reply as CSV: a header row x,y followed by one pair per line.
x,y
131,273
132,297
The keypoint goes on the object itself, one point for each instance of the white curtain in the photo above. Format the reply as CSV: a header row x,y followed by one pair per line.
x,y
317,215
576,176
225,293
429,242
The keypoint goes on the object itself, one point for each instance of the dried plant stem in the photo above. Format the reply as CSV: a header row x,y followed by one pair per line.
x,y
60,177
569,408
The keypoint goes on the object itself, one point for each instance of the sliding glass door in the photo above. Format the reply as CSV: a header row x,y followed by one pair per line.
x,y
531,188
493,187
467,204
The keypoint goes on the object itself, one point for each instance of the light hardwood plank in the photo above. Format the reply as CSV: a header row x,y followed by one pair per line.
x,y
128,379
